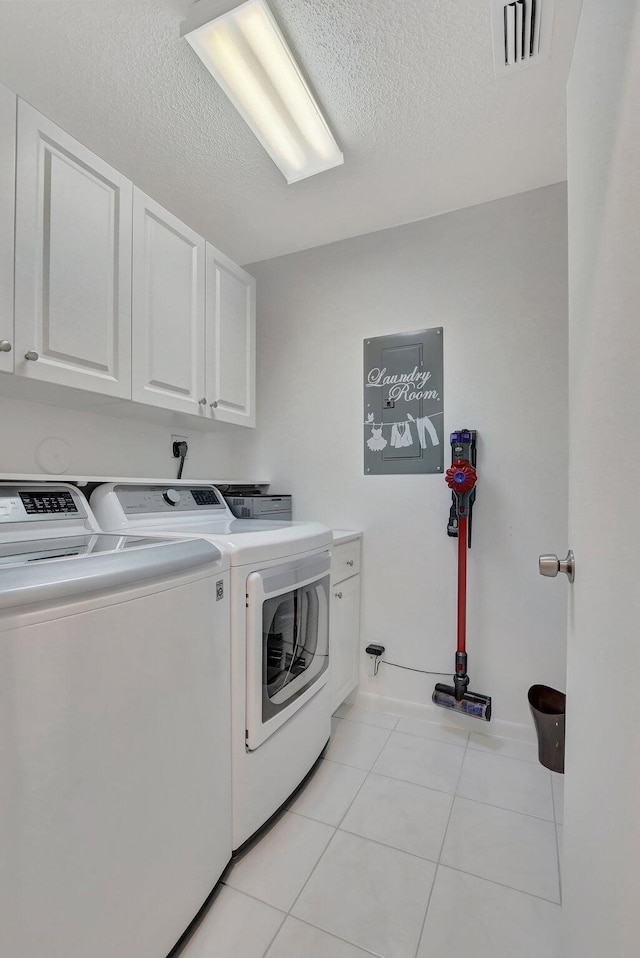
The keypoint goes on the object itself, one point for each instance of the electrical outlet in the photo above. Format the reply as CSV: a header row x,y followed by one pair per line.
x,y
174,443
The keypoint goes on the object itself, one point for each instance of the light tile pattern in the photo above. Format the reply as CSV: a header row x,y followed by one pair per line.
x,y
490,779
506,747
368,894
356,744
329,793
488,920
421,761
407,830
406,816
504,846
370,717
557,782
278,866
234,925
559,833
447,734
298,940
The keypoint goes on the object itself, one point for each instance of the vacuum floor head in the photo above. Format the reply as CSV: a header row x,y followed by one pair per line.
x,y
471,703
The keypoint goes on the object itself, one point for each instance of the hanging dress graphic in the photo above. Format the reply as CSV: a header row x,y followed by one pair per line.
x,y
401,435
376,442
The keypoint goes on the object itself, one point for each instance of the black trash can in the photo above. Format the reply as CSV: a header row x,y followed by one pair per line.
x,y
548,707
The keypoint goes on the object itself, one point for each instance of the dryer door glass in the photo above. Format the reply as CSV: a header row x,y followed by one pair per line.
x,y
295,644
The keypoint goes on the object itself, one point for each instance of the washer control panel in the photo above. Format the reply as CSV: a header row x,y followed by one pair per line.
x,y
145,500
40,503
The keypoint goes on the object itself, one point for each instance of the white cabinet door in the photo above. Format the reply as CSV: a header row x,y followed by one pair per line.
x,y
344,639
73,262
231,340
168,310
8,102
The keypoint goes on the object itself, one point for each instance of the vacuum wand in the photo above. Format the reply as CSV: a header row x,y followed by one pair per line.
x,y
461,679
461,479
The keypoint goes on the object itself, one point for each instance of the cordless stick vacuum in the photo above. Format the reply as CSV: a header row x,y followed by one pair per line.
x,y
461,479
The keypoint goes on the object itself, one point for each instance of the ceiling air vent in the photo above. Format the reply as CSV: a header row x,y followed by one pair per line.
x,y
521,33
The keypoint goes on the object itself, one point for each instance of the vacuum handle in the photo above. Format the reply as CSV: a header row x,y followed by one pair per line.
x,y
462,583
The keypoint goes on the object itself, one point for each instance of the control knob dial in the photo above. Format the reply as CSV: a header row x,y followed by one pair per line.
x,y
171,496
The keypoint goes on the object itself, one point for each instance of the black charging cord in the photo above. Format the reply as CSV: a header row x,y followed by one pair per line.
x,y
409,669
376,651
180,452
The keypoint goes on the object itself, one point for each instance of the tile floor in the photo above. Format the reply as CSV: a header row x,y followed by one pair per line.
x,y
412,840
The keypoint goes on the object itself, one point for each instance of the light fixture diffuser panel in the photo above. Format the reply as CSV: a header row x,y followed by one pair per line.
x,y
247,55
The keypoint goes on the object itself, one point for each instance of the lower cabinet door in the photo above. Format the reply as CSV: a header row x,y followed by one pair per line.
x,y
344,644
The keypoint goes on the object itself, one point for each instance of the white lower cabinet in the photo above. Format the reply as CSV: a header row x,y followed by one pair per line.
x,y
344,648
72,262
8,105
169,342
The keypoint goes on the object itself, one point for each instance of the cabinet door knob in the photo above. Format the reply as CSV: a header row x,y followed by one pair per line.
x,y
203,401
214,405
349,561
338,595
32,355
5,346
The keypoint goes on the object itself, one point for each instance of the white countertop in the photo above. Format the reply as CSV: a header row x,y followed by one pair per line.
x,y
85,480
344,535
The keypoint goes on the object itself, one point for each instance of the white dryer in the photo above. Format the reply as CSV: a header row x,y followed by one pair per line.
x,y
280,700
115,817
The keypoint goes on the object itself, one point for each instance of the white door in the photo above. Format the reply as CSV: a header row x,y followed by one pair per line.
x,y
73,262
7,195
168,310
601,840
231,340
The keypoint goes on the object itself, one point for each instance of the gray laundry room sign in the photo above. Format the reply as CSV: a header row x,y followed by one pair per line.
x,y
403,403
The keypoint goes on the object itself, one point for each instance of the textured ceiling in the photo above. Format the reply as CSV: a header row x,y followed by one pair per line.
x,y
407,86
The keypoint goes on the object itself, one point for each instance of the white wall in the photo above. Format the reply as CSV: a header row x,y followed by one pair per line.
x,y
102,445
601,842
495,277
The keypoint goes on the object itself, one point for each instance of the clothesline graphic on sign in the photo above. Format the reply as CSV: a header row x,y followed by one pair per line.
x,y
401,434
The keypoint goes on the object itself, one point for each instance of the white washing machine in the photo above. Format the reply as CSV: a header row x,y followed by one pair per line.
x,y
280,699
115,816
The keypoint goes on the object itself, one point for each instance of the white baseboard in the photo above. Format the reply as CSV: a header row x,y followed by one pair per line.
x,y
431,713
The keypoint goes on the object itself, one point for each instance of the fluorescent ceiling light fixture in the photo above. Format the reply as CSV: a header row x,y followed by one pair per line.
x,y
247,55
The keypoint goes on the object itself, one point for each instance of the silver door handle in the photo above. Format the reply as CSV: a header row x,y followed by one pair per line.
x,y
32,355
349,561
550,565
338,595
214,405
203,401
5,346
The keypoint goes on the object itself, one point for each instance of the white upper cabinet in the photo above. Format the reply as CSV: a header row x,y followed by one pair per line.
x,y
168,310
8,102
231,340
112,294
73,262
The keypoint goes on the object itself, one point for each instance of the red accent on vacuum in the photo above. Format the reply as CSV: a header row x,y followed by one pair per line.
x,y
461,476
